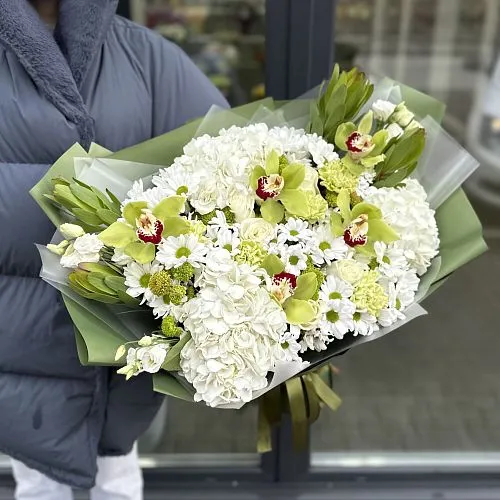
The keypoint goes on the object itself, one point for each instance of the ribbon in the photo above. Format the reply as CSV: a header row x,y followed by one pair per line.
x,y
302,397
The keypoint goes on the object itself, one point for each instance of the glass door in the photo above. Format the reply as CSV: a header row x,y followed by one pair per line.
x,y
428,394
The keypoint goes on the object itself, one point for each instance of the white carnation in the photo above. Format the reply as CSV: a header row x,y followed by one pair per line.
x,y
382,110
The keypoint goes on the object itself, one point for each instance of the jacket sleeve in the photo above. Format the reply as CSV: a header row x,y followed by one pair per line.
x,y
181,92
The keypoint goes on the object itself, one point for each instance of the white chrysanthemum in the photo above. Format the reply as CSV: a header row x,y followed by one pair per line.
x,y
176,180
389,316
315,340
337,318
137,278
290,346
160,306
175,251
228,240
364,324
294,231
406,209
335,288
325,248
294,258
391,260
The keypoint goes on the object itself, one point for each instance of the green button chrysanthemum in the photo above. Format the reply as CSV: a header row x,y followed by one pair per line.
x,y
160,283
183,273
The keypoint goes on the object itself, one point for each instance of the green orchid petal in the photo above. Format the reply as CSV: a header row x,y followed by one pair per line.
x,y
307,286
366,123
294,175
343,132
380,139
273,265
272,163
175,226
272,211
169,207
372,161
118,235
133,210
256,174
141,252
336,225
372,211
344,203
378,230
356,168
299,312
295,202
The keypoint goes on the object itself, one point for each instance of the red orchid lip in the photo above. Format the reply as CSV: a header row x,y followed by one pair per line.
x,y
350,143
291,278
354,241
153,236
262,191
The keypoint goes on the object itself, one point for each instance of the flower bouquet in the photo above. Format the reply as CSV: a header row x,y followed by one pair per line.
x,y
246,249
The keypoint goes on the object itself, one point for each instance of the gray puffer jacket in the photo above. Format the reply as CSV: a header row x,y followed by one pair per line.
x,y
99,78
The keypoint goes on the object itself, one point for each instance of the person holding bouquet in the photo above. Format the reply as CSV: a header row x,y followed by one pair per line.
x,y
71,71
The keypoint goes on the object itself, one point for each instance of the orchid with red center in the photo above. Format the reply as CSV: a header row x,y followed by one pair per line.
x,y
357,231
149,228
359,145
269,186
283,286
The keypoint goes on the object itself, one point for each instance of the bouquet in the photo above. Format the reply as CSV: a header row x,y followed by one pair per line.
x,y
246,249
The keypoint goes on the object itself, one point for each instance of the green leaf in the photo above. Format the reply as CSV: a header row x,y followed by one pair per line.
x,y
107,216
88,217
273,265
169,207
307,286
133,210
126,299
344,203
366,123
294,175
272,211
256,174
343,132
372,211
378,230
141,252
116,283
272,163
405,152
116,202
299,312
92,267
97,281
397,177
295,202
336,225
175,226
85,195
118,235
66,198
172,361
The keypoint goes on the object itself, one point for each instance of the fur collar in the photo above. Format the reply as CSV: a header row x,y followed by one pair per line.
x,y
58,63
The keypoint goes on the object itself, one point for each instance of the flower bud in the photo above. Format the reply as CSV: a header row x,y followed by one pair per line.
x,y
71,231
120,352
60,248
146,341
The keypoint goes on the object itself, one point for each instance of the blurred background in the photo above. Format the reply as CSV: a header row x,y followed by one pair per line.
x,y
424,402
